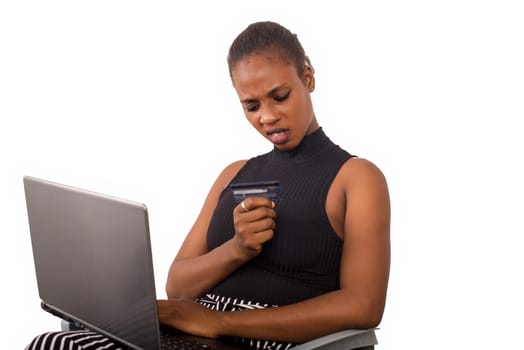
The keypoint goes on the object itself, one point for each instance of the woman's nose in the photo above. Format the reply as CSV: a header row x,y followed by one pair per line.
x,y
267,116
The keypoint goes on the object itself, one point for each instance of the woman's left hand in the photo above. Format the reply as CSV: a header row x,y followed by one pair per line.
x,y
190,317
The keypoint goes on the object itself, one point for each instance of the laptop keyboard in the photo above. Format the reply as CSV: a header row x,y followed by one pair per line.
x,y
172,341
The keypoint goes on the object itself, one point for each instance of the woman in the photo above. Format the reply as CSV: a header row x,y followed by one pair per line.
x,y
321,253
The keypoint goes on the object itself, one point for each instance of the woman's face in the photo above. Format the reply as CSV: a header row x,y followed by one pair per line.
x,y
276,101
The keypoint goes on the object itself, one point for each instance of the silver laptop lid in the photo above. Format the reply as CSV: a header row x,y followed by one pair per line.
x,y
93,261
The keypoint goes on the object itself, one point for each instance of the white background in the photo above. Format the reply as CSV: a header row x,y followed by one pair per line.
x,y
133,99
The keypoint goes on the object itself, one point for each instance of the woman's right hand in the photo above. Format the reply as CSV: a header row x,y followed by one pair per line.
x,y
254,220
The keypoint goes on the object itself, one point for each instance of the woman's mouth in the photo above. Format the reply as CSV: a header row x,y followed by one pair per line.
x,y
278,136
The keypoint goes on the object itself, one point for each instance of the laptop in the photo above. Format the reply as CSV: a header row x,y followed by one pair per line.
x,y
93,263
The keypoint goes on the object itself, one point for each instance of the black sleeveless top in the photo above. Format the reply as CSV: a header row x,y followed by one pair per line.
x,y
303,258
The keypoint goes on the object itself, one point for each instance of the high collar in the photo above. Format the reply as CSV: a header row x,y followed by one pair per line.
x,y
310,146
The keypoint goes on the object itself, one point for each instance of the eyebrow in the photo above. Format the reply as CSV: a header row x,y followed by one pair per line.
x,y
271,92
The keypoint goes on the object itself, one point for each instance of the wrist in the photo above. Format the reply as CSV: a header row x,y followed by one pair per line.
x,y
239,253
223,323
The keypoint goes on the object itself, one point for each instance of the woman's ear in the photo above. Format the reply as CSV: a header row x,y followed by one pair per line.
x,y
309,77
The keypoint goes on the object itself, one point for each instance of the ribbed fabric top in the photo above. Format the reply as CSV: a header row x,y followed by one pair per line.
x,y
303,258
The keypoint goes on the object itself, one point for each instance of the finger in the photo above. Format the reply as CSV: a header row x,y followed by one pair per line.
x,y
161,304
264,236
261,225
256,214
247,228
257,240
253,202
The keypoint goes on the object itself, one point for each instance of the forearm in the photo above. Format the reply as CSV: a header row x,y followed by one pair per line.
x,y
191,277
305,320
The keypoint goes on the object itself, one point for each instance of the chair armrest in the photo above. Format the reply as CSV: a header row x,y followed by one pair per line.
x,y
343,340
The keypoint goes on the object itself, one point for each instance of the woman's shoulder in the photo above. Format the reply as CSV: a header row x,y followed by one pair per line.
x,y
233,168
361,170
229,172
361,163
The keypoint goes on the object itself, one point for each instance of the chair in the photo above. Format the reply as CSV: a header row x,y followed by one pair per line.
x,y
350,339
361,339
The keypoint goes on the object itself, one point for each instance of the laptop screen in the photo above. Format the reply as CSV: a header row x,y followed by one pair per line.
x,y
93,261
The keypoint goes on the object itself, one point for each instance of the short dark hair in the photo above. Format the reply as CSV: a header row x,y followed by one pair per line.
x,y
262,37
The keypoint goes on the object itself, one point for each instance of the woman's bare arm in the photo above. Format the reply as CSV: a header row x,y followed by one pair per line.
x,y
363,278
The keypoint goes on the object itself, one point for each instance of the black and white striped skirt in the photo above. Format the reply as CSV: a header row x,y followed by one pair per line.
x,y
221,303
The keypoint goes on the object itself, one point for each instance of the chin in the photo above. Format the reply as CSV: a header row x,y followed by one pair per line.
x,y
285,146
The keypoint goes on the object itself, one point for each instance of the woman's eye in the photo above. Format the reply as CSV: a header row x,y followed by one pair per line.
x,y
252,108
281,98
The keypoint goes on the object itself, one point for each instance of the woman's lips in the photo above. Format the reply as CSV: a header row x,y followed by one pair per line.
x,y
278,136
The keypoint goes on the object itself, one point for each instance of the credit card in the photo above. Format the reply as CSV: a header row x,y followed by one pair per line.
x,y
269,189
